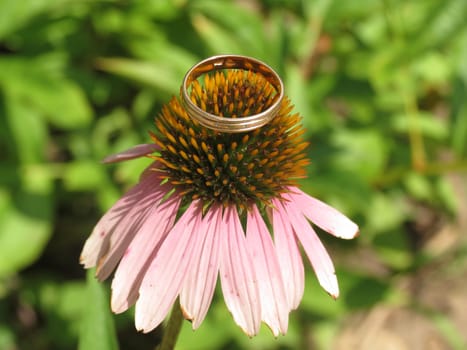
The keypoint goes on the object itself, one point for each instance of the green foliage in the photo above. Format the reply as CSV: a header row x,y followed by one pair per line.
x,y
98,330
381,86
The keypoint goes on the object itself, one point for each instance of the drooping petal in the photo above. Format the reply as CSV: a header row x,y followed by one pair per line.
x,y
314,249
123,233
323,215
198,288
290,260
165,275
131,153
238,280
274,305
98,242
140,252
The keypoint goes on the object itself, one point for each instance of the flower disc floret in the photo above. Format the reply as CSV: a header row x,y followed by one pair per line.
x,y
231,168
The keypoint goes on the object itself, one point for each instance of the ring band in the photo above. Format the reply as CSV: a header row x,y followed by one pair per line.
x,y
232,125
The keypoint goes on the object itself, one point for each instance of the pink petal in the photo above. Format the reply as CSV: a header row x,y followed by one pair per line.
x,y
140,252
290,260
99,241
123,233
323,215
274,305
165,275
198,288
131,153
314,249
238,280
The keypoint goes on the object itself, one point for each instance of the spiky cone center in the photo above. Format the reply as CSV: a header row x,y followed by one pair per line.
x,y
231,168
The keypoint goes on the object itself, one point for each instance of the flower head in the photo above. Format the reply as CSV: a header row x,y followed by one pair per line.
x,y
212,205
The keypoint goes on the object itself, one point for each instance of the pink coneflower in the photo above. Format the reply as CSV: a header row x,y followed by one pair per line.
x,y
215,204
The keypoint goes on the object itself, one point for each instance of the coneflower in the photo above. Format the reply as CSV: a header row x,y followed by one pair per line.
x,y
217,204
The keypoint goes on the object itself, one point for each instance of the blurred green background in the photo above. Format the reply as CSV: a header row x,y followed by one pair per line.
x,y
382,87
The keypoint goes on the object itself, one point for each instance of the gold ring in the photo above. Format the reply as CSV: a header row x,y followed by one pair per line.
x,y
232,125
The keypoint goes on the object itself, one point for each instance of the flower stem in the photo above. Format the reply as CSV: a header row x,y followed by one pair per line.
x,y
417,146
172,329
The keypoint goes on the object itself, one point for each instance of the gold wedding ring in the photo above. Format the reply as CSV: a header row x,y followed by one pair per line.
x,y
232,125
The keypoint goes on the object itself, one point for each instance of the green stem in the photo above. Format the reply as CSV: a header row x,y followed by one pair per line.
x,y
417,146
172,329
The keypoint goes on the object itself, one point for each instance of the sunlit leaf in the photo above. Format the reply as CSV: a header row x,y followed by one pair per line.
x,y
217,39
146,73
216,29
446,191
419,186
426,123
433,68
83,175
7,337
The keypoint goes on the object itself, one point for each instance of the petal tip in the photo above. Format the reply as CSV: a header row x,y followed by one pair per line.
x,y
86,262
82,261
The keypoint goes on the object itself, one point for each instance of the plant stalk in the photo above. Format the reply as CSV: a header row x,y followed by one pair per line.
x,y
172,329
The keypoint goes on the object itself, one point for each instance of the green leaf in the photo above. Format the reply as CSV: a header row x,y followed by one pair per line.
x,y
393,206
297,91
341,189
419,186
444,21
373,30
7,337
362,151
117,122
433,68
447,193
317,301
216,38
160,77
25,220
162,53
98,330
393,248
39,82
458,101
161,9
84,175
342,10
216,28
365,292
459,129
448,327
306,33
61,306
28,131
14,14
